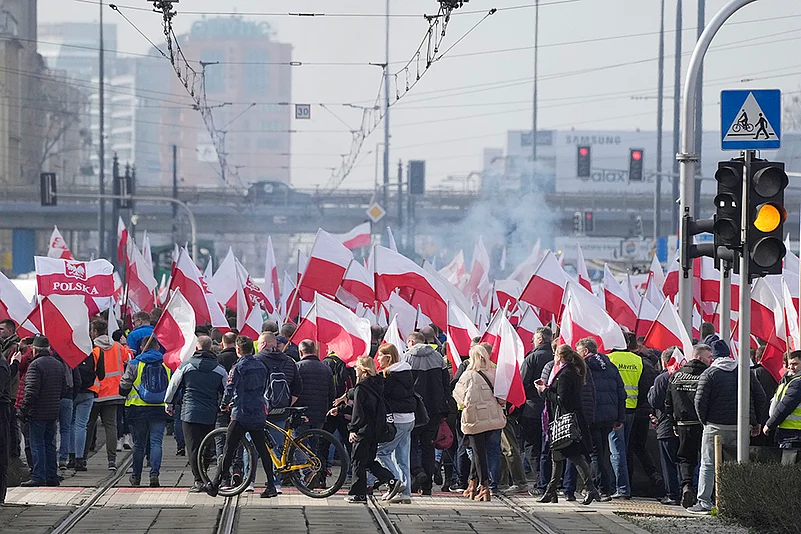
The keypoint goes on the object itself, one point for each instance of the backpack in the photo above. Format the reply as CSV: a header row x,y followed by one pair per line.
x,y
344,377
277,394
153,387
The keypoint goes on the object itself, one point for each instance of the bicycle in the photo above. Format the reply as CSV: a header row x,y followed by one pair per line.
x,y
742,125
305,459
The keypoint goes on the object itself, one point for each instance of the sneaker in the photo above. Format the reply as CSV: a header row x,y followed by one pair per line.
x,y
211,489
250,488
605,497
62,466
111,466
458,488
80,465
127,442
154,482
180,452
400,499
514,489
71,462
536,492
667,501
687,497
356,499
699,509
32,484
197,487
120,443
570,497
446,488
135,481
621,496
268,493
395,487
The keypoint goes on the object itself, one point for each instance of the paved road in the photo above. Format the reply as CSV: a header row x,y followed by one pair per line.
x,y
123,509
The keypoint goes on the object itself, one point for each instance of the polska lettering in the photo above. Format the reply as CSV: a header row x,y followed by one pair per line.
x,y
74,287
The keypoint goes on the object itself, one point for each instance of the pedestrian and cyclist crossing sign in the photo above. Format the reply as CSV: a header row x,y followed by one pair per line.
x,y
750,119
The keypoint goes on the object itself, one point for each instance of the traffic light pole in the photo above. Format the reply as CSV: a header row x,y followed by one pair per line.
x,y
744,329
725,301
688,157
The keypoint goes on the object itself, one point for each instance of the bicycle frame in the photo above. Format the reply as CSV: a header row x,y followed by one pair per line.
x,y
281,463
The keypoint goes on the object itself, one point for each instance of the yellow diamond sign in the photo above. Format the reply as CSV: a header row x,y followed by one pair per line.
x,y
376,212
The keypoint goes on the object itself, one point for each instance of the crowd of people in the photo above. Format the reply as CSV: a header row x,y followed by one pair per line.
x,y
408,419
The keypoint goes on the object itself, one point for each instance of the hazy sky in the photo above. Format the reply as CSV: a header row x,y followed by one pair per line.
x,y
595,56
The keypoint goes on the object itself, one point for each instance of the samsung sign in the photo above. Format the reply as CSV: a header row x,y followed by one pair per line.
x,y
584,140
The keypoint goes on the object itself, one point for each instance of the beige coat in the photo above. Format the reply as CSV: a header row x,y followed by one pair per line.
x,y
481,411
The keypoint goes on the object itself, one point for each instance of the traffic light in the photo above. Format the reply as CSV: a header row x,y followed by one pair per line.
x,y
47,185
728,208
577,226
766,215
583,162
417,177
636,156
589,222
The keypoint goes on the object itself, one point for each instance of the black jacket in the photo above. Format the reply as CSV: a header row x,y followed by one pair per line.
x,y
318,388
200,382
563,396
649,374
344,376
716,397
8,347
785,407
276,360
292,351
227,358
656,398
399,389
367,395
45,385
680,398
610,393
769,386
88,372
530,371
6,399
431,378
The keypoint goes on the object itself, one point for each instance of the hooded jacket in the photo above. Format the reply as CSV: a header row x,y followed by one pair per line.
x,y
431,379
247,383
128,379
530,371
227,358
114,361
201,381
275,360
137,336
680,397
45,385
716,396
399,388
610,393
481,411
318,388
368,408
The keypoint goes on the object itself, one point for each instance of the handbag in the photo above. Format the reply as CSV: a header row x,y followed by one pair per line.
x,y
564,431
389,431
421,417
444,437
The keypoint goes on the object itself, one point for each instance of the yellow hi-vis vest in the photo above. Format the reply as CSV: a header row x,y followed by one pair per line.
x,y
793,421
630,367
133,395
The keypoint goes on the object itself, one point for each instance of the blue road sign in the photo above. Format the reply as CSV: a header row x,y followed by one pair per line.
x,y
751,119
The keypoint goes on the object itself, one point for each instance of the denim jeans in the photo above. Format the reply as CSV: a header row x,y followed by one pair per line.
x,y
81,408
706,474
64,429
43,451
178,428
394,455
278,439
669,454
618,444
140,428
494,458
600,455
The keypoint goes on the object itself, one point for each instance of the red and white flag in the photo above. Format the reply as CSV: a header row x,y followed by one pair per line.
x,y
508,354
791,261
250,325
657,274
647,311
451,292
393,335
208,272
271,273
617,302
341,330
146,253
13,304
254,296
584,317
94,279
461,332
406,315
176,330
791,318
667,331
225,283
653,293
66,326
547,286
478,282
196,292
525,270
456,271
357,238
507,292
141,282
328,262
671,286
581,268
290,300
357,286
58,247
526,328
767,322
122,243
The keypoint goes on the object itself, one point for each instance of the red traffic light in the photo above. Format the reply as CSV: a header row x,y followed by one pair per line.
x,y
584,151
588,216
636,155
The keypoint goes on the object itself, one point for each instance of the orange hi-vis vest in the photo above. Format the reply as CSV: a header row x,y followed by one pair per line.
x,y
114,360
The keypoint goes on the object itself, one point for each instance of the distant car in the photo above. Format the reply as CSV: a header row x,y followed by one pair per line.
x,y
276,193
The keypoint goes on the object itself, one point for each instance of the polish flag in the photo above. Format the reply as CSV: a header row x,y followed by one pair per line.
x,y
617,302
648,311
357,238
391,240
187,277
460,332
339,328
657,276
122,243
791,318
546,286
528,325
406,315
456,271
478,283
13,304
506,294
393,335
271,273
671,286
667,331
250,325
508,354
653,294
254,296
525,270
584,317
93,279
328,262
357,286
393,271
208,272
141,282
631,289
767,322
793,282
451,292
303,262
225,283
58,247
163,291
290,301
581,267
176,330
66,326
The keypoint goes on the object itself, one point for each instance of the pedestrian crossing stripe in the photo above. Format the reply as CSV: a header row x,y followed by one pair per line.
x,y
750,123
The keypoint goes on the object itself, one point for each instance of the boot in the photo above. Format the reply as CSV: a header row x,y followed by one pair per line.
x,y
80,464
483,494
437,473
71,461
592,495
549,495
471,490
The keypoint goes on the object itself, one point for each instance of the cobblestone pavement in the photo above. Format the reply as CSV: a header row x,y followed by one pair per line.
x,y
170,508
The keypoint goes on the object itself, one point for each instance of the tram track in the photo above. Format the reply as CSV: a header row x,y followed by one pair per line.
x,y
538,525
228,516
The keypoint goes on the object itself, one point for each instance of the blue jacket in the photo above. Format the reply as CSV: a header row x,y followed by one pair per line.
x,y
247,383
137,336
610,393
201,381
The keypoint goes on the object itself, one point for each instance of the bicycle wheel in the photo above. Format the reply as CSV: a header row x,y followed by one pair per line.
x,y
318,463
239,475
